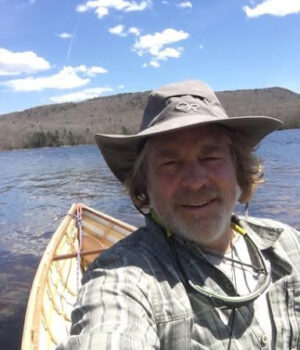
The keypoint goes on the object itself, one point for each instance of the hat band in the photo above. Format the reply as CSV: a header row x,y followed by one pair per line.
x,y
183,109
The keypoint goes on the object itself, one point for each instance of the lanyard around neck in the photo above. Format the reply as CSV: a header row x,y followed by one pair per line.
x,y
231,299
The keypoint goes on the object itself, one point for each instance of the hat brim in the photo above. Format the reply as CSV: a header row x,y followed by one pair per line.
x,y
120,151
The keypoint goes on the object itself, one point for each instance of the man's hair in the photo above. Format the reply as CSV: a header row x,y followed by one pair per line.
x,y
249,171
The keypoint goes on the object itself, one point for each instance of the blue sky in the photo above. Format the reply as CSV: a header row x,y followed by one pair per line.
x,y
55,51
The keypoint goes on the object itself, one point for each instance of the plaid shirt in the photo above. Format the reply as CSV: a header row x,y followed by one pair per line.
x,y
133,297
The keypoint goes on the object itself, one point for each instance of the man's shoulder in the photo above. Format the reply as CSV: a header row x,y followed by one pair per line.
x,y
143,247
265,223
144,239
267,232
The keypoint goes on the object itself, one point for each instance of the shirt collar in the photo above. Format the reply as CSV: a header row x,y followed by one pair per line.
x,y
263,235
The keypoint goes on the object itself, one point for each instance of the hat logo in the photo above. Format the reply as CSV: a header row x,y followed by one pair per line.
x,y
187,107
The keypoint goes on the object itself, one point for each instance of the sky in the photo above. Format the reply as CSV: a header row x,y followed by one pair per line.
x,y
54,51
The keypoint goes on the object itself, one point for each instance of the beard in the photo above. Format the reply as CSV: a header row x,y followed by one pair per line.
x,y
207,227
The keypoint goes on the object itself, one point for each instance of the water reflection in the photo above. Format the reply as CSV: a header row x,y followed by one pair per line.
x,y
15,280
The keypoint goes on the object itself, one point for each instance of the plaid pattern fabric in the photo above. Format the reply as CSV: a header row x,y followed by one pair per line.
x,y
133,297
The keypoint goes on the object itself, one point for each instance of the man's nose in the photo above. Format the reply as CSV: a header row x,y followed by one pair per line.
x,y
194,175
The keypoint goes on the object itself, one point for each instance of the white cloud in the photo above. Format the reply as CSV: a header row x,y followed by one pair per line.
x,y
155,45
90,71
16,63
68,78
273,7
117,30
155,42
81,95
185,4
121,87
154,64
134,31
102,7
65,35
201,47
96,70
120,30
169,52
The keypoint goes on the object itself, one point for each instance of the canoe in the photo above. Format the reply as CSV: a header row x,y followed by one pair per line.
x,y
82,235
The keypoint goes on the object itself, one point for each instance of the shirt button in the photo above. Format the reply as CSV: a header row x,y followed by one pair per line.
x,y
264,340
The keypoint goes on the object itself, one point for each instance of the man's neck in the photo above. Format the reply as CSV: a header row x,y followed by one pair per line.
x,y
220,246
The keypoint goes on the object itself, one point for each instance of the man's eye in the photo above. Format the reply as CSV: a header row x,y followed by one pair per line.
x,y
169,164
212,158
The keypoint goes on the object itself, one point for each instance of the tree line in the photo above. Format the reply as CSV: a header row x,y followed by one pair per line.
x,y
53,139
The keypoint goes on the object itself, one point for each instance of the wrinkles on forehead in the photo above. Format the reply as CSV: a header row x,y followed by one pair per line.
x,y
206,139
165,152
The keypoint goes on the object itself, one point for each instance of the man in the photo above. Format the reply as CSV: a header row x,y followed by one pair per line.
x,y
196,276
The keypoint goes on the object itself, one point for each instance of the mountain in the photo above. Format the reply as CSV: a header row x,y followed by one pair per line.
x,y
76,123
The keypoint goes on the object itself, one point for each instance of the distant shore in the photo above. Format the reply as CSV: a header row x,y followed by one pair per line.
x,y
76,123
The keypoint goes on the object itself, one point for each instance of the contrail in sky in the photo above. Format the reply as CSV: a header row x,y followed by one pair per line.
x,y
71,45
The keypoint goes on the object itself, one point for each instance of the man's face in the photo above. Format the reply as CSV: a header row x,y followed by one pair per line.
x,y
192,184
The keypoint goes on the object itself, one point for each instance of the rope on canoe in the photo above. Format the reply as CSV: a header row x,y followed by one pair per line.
x,y
79,225
78,218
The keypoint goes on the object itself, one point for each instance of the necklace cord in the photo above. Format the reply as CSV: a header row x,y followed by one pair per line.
x,y
231,328
232,300
215,300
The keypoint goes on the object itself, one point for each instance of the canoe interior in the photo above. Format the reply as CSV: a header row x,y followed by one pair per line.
x,y
55,286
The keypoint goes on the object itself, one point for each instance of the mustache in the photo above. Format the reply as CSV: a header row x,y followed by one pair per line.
x,y
204,194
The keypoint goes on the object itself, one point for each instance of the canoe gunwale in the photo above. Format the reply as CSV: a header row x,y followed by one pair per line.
x,y
35,306
30,339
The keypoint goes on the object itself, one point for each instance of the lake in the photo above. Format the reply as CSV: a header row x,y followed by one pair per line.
x,y
38,186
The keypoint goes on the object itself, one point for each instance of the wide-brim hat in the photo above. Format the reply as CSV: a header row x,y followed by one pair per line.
x,y
172,108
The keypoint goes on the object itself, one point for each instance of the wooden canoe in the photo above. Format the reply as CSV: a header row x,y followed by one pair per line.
x,y
56,283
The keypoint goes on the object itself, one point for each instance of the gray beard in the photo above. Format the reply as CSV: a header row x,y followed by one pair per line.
x,y
202,231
